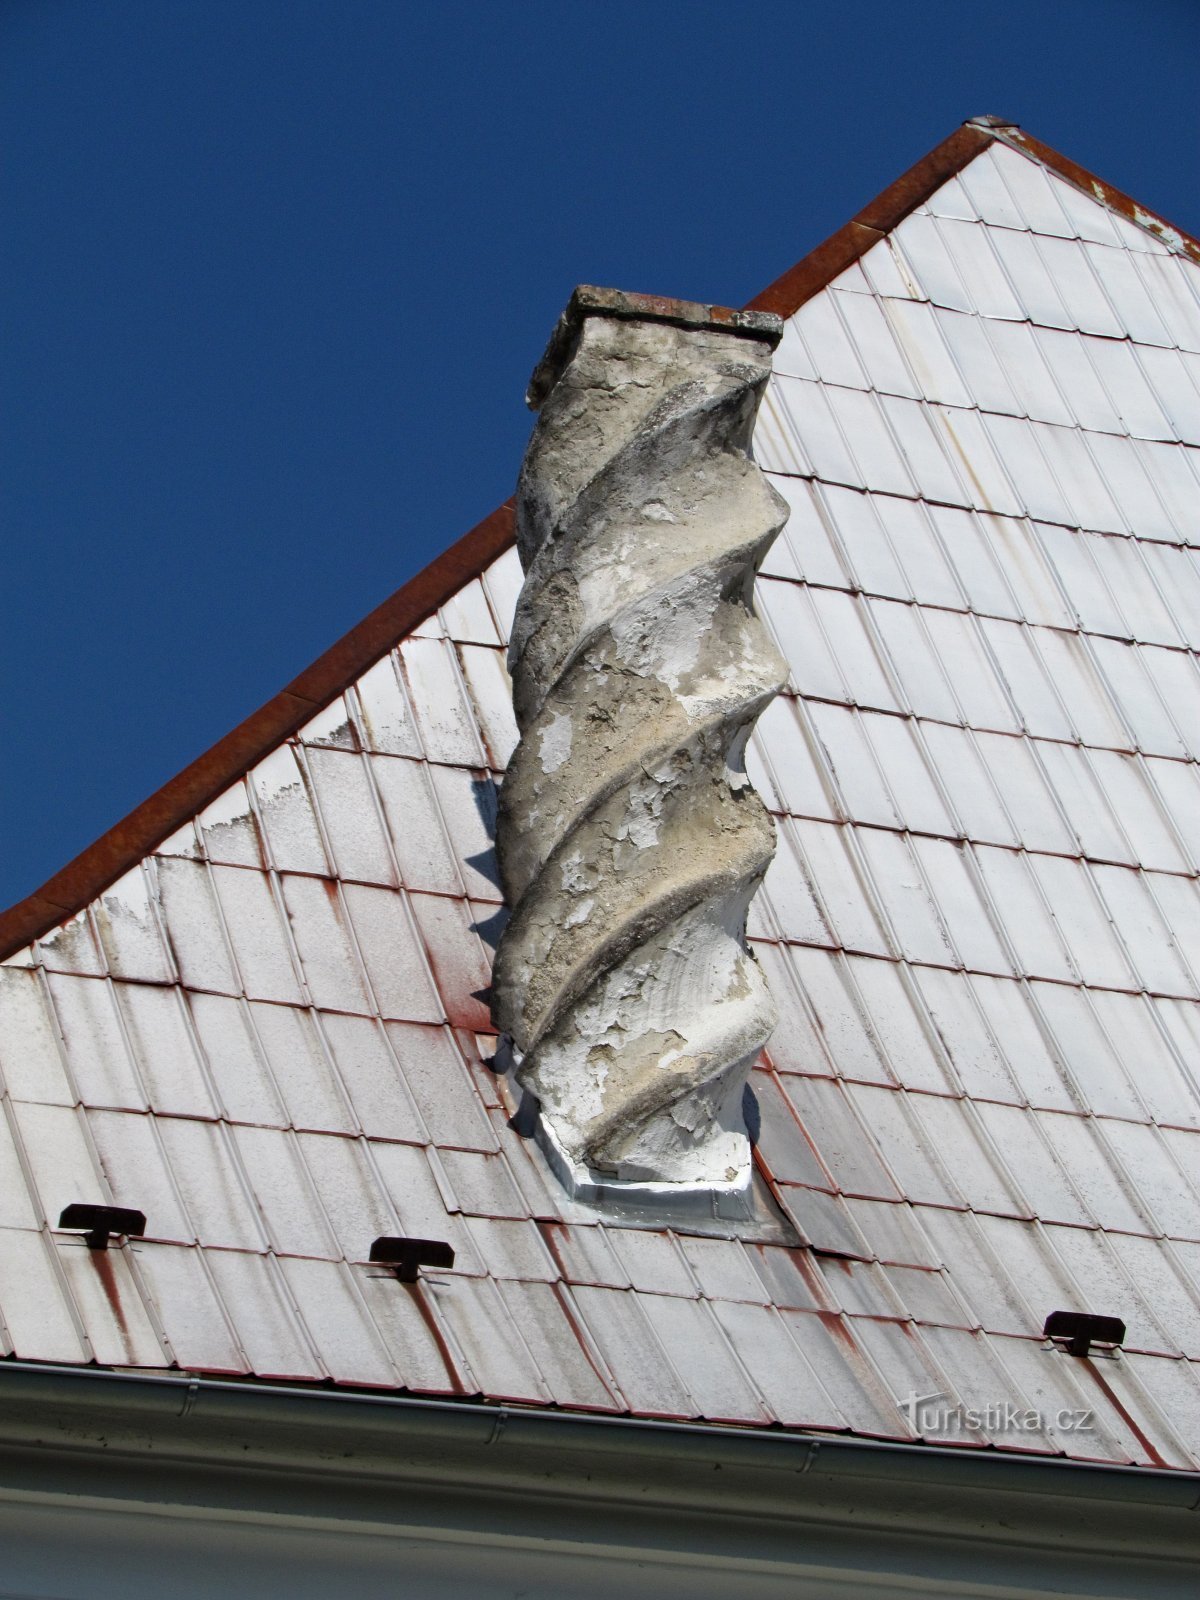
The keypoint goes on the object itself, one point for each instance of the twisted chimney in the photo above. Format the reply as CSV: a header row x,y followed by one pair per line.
x,y
630,840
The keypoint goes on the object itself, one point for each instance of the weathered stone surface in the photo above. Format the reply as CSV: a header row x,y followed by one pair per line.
x,y
630,840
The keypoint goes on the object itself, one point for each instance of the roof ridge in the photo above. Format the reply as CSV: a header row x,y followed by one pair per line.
x,y
70,889
1175,238
890,207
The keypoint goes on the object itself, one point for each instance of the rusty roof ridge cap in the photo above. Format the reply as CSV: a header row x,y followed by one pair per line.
x,y
589,300
252,1401
875,220
1177,240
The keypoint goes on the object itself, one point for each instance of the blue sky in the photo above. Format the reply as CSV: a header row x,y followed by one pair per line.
x,y
275,273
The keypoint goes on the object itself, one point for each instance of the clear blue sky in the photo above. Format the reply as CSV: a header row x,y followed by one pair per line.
x,y
275,273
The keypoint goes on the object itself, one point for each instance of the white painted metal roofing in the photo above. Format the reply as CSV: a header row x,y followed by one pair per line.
x,y
983,928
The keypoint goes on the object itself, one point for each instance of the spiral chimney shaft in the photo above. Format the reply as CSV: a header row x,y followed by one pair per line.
x,y
630,840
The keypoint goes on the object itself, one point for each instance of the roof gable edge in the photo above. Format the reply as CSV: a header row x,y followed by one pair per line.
x,y
189,791
867,227
1178,240
890,207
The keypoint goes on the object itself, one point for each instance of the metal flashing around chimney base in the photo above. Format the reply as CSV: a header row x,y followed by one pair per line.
x,y
631,842
707,1198
746,1210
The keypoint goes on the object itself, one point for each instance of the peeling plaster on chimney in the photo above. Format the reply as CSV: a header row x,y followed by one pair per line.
x,y
630,840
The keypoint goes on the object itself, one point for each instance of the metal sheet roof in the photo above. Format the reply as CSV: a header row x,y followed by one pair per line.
x,y
983,927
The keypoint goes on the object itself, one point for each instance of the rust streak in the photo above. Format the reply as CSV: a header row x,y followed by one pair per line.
x,y
102,1262
1105,1389
416,1294
549,1232
557,1289
836,1325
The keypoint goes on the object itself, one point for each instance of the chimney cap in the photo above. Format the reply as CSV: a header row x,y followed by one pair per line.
x,y
590,301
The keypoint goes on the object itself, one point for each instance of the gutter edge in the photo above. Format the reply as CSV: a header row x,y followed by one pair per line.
x,y
181,1397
